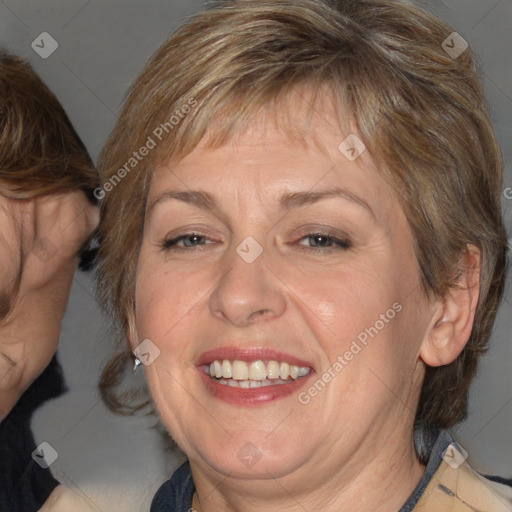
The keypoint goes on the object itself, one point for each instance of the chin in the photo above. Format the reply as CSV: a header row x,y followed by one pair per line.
x,y
244,457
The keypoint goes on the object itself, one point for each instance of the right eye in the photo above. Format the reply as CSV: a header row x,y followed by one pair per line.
x,y
190,241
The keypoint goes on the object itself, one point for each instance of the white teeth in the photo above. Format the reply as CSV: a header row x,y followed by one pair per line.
x,y
303,371
240,370
294,371
284,371
273,370
218,369
251,383
244,374
257,371
227,369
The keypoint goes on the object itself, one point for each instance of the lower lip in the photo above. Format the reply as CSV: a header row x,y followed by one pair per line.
x,y
252,396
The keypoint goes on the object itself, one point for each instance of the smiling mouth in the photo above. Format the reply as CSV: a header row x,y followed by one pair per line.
x,y
254,374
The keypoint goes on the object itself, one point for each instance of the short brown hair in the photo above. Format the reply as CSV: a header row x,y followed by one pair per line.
x,y
40,151
418,110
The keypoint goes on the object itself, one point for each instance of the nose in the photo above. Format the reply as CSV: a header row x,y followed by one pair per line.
x,y
247,293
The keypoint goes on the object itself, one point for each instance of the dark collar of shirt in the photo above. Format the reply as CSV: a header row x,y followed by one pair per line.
x,y
175,495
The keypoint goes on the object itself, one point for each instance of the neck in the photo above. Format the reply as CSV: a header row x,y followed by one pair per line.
x,y
382,480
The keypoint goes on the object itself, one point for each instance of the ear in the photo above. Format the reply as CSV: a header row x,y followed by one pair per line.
x,y
453,317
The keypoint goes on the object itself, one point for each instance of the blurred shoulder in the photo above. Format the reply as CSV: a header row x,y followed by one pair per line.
x,y
64,499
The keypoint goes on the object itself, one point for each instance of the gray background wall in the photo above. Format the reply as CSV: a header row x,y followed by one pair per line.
x,y
117,463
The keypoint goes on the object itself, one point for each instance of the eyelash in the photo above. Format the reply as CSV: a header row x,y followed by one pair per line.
x,y
342,244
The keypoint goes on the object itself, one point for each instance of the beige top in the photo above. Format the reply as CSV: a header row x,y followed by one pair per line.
x,y
461,489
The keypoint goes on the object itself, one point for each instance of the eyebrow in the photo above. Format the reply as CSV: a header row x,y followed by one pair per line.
x,y
288,201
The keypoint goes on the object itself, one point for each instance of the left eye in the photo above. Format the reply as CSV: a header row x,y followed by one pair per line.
x,y
324,241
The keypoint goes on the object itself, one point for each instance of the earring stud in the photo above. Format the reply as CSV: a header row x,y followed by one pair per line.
x,y
136,362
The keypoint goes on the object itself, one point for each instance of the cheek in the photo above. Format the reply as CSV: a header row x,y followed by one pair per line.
x,y
343,303
165,303
157,307
369,316
393,337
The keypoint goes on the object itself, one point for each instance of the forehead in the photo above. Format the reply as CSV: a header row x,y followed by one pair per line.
x,y
300,144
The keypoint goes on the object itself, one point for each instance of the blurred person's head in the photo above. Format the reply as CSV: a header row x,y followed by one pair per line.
x,y
47,214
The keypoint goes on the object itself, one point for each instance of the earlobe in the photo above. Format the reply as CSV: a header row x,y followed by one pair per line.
x,y
453,316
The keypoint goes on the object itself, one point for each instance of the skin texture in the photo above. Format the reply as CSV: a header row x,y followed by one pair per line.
x,y
351,447
39,243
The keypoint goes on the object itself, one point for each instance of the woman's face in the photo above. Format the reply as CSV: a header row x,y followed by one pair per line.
x,y
301,256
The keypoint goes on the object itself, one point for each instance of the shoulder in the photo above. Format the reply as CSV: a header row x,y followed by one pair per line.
x,y
63,499
456,486
176,493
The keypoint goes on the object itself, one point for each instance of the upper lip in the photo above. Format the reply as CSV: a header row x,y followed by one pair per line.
x,y
249,355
